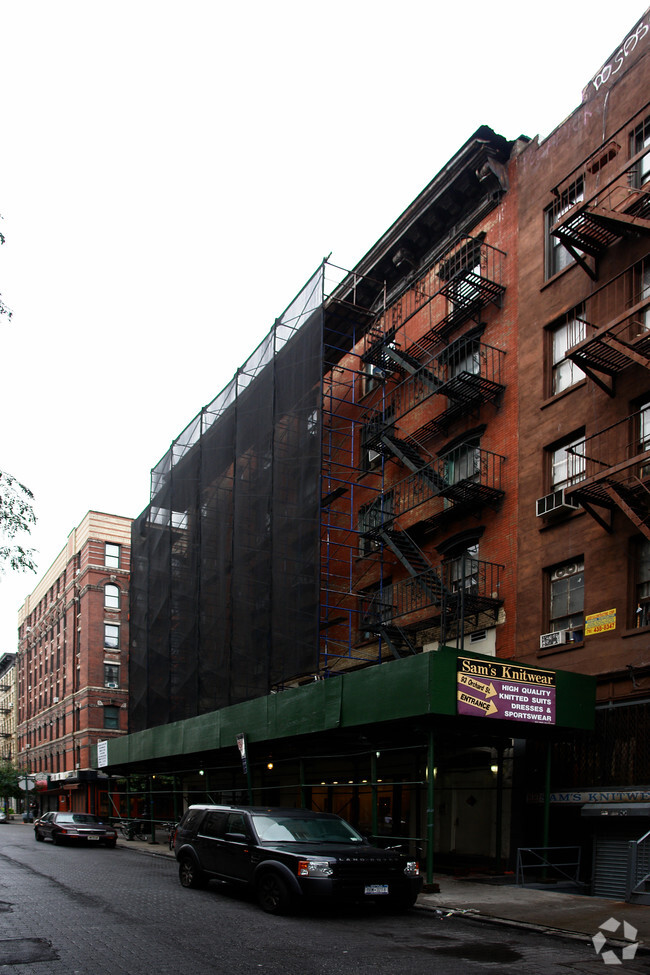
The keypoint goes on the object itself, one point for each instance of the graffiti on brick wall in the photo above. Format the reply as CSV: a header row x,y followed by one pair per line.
x,y
617,62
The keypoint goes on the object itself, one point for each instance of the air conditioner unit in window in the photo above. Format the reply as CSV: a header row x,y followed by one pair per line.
x,y
555,504
555,639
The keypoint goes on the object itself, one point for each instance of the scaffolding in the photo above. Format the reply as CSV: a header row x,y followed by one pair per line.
x,y
398,378
288,532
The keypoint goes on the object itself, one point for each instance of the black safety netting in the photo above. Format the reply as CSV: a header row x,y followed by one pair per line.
x,y
225,560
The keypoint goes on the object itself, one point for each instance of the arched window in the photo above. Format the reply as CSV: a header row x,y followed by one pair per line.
x,y
111,597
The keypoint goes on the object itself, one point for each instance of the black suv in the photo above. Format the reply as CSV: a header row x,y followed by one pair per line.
x,y
285,855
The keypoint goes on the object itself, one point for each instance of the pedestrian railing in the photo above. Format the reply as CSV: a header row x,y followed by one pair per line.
x,y
547,863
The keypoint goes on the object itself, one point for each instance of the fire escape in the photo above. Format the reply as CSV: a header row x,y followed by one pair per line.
x,y
604,200
463,375
616,464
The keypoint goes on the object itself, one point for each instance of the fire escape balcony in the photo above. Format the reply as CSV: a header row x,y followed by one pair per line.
x,y
460,482
616,346
615,463
471,279
419,602
620,207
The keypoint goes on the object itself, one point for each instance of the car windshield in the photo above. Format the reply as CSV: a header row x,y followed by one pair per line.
x,y
78,818
294,829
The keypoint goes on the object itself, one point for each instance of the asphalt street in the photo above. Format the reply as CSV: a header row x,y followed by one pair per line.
x,y
90,911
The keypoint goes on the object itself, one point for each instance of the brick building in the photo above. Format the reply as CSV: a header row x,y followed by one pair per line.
x,y
73,661
583,586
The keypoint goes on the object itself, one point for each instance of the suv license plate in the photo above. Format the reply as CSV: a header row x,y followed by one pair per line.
x,y
91,838
376,889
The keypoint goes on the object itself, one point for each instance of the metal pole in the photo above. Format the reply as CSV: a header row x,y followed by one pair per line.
x,y
374,792
499,810
547,795
430,797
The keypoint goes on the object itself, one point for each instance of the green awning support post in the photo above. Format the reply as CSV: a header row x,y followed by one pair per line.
x,y
430,796
304,799
374,792
499,809
547,796
152,815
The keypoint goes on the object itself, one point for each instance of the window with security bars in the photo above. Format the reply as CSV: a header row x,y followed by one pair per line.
x,y
569,331
567,596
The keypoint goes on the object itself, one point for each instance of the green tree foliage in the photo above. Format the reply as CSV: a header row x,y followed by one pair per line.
x,y
16,512
16,518
10,780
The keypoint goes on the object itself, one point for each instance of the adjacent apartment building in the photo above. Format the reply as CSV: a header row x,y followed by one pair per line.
x,y
583,581
72,661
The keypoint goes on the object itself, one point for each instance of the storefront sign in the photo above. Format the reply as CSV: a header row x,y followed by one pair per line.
x,y
498,689
102,754
600,622
570,798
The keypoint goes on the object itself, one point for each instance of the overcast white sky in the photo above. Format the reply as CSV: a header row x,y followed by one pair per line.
x,y
172,172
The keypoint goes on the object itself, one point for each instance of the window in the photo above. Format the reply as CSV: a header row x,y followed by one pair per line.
x,y
372,516
463,463
111,717
462,571
641,141
111,636
111,675
564,335
643,583
112,555
111,597
567,464
557,256
370,439
465,359
373,376
567,590
644,429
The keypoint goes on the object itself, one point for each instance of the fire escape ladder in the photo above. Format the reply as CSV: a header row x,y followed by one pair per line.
x,y
414,561
633,498
396,638
408,454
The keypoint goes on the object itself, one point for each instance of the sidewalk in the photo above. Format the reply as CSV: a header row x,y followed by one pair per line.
x,y
550,911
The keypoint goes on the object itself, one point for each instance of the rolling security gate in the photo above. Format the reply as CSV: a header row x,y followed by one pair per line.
x,y
615,825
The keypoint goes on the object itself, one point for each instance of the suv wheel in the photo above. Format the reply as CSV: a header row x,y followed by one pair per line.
x,y
189,874
273,894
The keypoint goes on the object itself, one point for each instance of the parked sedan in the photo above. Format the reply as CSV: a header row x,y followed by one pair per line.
x,y
63,827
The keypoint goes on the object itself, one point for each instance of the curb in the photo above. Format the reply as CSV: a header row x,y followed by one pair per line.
x,y
475,915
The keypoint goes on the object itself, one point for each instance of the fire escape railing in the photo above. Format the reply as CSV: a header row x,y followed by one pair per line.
x,y
616,463
437,588
594,207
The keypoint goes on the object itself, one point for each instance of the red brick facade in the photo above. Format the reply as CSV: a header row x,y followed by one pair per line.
x,y
73,659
